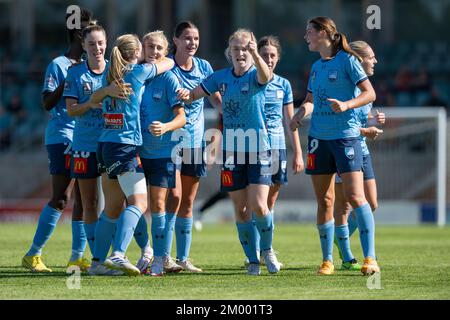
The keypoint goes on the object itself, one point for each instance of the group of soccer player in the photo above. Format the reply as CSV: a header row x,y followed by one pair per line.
x,y
136,124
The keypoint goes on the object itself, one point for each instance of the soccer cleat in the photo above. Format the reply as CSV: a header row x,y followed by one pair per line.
x,y
82,263
351,265
370,266
272,264
119,262
145,260
98,269
260,258
326,268
171,266
35,264
198,225
253,269
188,266
157,267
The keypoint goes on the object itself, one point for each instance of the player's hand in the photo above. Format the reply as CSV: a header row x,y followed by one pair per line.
x,y
119,92
380,117
371,132
184,95
297,164
96,105
296,121
157,128
338,106
251,45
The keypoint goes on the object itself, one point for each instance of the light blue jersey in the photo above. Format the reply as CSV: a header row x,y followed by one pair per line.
x,y
158,101
80,83
335,78
243,101
195,121
278,94
122,117
60,126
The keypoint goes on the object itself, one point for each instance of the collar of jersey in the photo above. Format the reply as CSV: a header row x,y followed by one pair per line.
x,y
323,60
236,76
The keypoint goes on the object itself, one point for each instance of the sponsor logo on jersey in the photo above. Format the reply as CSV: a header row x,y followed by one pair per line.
x,y
311,161
222,88
332,75
245,87
349,152
80,165
280,94
113,121
157,94
227,178
50,82
87,88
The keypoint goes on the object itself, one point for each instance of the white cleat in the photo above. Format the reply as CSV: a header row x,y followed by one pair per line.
x,y
170,266
253,269
188,266
99,269
119,262
261,260
272,264
145,260
157,267
198,225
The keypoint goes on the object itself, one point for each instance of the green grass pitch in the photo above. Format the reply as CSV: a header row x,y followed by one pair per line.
x,y
415,263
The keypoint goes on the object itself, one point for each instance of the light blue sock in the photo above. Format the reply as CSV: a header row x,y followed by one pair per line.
x,y
141,233
90,235
183,231
326,233
265,228
47,222
104,231
366,226
352,224
168,232
126,224
79,240
344,242
247,236
158,236
257,236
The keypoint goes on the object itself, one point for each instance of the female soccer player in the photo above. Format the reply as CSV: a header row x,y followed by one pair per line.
x,y
58,140
191,71
117,151
246,172
343,219
161,113
333,143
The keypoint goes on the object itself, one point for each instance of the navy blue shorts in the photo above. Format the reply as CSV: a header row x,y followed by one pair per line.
x,y
367,169
331,156
160,172
241,169
83,165
117,158
192,162
59,158
279,160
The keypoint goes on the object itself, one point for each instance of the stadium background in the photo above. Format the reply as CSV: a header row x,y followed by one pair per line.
x,y
413,71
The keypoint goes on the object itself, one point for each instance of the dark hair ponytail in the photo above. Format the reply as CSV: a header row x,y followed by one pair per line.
x,y
338,39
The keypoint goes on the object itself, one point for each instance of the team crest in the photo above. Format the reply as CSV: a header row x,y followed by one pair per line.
x,y
87,88
222,88
157,94
245,87
350,152
332,75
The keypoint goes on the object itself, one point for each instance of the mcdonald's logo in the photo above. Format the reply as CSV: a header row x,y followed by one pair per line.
x,y
311,161
67,163
227,178
80,165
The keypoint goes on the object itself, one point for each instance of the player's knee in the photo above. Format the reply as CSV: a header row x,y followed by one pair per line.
x,y
174,197
157,205
59,203
325,203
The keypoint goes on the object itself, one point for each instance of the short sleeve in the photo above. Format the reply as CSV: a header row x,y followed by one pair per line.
x,y
312,74
172,85
288,96
208,69
70,86
354,69
51,80
145,71
210,85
